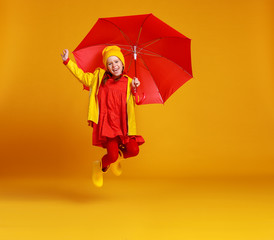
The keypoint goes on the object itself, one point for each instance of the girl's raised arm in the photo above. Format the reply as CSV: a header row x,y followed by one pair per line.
x,y
85,78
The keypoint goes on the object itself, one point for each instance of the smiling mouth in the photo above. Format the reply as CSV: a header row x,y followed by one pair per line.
x,y
116,70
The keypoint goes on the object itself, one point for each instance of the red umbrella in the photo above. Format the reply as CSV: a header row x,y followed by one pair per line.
x,y
154,52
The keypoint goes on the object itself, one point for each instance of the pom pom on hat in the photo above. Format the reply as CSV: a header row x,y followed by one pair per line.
x,y
112,51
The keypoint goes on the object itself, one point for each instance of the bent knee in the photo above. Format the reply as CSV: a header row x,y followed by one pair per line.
x,y
133,149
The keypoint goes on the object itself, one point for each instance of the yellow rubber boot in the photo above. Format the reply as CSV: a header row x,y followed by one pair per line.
x,y
97,174
116,167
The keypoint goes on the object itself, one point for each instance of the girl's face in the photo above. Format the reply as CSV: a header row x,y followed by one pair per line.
x,y
115,66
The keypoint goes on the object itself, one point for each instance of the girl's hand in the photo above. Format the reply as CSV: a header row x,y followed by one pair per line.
x,y
135,82
65,55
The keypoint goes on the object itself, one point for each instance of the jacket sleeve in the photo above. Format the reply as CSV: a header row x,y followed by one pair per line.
x,y
85,78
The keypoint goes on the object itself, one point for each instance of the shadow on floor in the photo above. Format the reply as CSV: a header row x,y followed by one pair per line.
x,y
51,190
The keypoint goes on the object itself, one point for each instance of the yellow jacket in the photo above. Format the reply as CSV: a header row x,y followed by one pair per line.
x,y
93,81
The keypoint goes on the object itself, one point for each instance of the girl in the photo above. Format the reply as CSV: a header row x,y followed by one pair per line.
x,y
111,110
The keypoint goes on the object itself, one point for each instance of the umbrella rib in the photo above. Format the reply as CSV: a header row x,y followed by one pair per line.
x,y
141,28
122,46
129,65
177,65
124,35
158,55
158,39
149,43
151,77
109,44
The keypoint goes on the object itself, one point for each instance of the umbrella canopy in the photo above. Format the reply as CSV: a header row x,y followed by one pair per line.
x,y
154,52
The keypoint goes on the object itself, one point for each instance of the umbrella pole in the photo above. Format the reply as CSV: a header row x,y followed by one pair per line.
x,y
135,68
135,59
135,63
137,97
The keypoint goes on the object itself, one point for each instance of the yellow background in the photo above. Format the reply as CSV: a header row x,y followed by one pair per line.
x,y
219,124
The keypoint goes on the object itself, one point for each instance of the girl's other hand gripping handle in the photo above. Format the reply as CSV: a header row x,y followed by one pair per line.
x,y
135,82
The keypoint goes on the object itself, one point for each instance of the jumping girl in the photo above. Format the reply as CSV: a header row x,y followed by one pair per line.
x,y
111,110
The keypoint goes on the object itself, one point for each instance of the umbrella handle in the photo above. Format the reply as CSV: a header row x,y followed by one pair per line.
x,y
140,101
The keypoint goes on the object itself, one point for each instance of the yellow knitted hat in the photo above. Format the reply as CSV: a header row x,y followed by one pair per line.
x,y
112,51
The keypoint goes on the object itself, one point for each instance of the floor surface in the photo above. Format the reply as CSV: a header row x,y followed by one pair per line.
x,y
137,209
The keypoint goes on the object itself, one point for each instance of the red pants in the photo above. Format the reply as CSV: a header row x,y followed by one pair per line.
x,y
131,149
